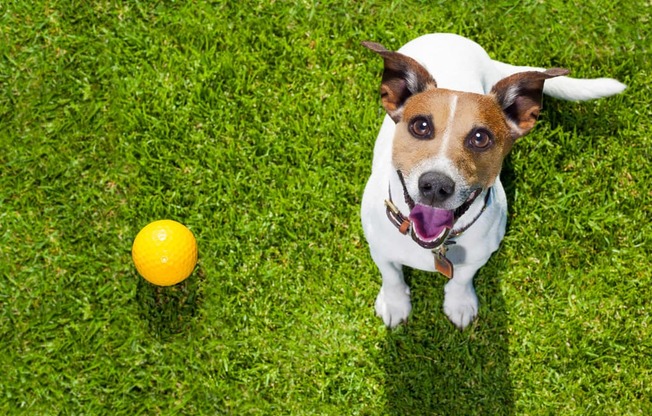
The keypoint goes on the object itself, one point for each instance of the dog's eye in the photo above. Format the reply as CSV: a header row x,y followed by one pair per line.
x,y
479,140
421,127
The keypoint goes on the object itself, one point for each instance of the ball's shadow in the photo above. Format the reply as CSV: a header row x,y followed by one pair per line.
x,y
170,310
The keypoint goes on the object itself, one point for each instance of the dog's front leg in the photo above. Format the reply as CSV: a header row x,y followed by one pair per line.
x,y
460,300
393,302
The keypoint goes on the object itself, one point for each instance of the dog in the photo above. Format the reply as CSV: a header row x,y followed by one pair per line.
x,y
434,200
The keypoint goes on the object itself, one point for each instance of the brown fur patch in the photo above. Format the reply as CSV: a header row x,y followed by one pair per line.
x,y
472,111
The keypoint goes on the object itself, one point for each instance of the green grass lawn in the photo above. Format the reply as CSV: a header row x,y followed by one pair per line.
x,y
253,124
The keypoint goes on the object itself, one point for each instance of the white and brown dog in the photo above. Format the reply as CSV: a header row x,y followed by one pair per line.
x,y
434,200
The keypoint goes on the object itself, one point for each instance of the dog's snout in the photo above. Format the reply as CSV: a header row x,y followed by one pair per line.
x,y
436,186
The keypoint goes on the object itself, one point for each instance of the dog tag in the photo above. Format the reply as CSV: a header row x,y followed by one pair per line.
x,y
442,264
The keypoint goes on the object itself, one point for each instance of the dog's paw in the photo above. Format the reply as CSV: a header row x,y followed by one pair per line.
x,y
460,304
393,305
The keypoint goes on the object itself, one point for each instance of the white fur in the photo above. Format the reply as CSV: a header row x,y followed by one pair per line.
x,y
445,139
456,63
566,88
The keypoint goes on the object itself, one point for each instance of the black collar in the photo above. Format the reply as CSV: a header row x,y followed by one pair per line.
x,y
404,224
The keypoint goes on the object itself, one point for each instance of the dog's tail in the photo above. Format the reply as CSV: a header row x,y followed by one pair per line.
x,y
567,88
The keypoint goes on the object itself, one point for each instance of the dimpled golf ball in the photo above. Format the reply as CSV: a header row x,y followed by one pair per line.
x,y
164,252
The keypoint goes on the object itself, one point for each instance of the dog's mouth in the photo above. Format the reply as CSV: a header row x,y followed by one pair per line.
x,y
430,223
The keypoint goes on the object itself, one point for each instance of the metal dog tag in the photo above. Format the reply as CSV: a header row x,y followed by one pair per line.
x,y
442,264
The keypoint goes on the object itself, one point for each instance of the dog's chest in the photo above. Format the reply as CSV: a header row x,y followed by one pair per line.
x,y
475,245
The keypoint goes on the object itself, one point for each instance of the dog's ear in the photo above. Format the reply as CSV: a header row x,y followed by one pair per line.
x,y
520,96
402,78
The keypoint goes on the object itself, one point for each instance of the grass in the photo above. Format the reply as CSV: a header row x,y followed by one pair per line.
x,y
253,124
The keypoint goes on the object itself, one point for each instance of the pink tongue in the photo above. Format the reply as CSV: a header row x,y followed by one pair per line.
x,y
430,222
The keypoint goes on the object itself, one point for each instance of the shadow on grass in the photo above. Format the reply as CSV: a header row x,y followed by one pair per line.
x,y
432,368
169,310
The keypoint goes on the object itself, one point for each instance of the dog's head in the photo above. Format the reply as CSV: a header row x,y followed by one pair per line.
x,y
450,145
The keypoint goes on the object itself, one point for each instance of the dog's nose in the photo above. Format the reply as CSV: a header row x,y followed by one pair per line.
x,y
436,186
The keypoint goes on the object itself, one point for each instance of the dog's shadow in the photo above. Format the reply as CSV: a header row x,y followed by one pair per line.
x,y
432,368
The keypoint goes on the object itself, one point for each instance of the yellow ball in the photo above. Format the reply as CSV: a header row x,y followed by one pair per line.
x,y
164,252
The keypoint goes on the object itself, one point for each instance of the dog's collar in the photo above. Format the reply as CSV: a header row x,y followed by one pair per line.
x,y
404,224
438,246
